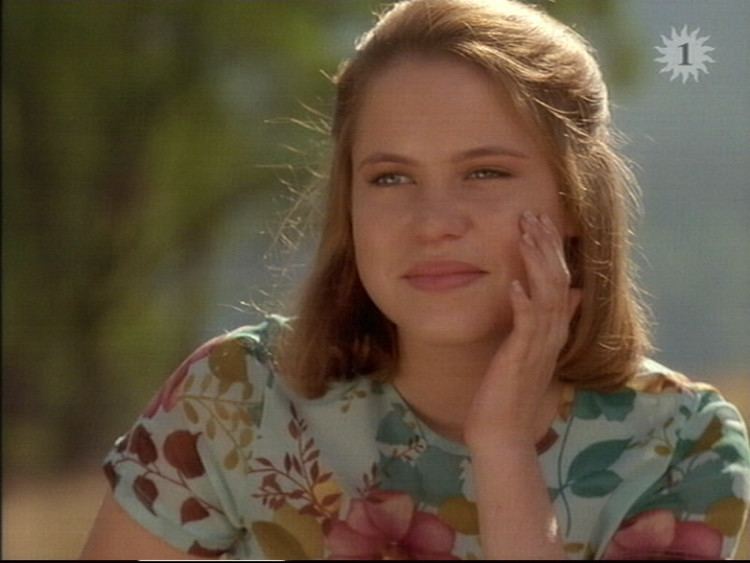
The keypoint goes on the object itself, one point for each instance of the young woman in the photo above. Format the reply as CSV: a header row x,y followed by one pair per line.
x,y
466,375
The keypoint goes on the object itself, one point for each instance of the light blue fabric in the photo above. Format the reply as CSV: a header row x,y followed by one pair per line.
x,y
227,460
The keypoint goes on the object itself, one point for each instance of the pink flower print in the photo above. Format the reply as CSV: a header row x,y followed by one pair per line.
x,y
657,534
167,396
386,525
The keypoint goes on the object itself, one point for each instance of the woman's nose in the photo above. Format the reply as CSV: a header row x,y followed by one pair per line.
x,y
438,215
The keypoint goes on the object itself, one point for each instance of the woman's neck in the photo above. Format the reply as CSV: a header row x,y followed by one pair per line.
x,y
439,382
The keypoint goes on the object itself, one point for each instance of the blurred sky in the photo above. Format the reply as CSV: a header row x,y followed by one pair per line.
x,y
690,143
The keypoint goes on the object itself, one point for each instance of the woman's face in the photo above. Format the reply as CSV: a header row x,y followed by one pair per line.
x,y
442,169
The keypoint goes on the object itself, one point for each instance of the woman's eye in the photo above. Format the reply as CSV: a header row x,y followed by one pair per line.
x,y
390,179
395,179
488,174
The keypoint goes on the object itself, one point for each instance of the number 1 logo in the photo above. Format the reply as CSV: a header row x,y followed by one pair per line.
x,y
684,54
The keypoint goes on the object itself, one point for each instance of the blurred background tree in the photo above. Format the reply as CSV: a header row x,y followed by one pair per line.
x,y
130,130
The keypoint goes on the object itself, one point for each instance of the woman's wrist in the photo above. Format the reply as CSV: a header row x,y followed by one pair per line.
x,y
492,442
516,517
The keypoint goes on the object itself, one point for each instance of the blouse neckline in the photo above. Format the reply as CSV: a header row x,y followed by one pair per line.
x,y
450,446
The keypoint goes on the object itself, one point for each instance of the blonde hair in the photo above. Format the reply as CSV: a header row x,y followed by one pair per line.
x,y
555,81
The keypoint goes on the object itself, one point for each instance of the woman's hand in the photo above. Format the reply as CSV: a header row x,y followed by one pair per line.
x,y
506,406
516,517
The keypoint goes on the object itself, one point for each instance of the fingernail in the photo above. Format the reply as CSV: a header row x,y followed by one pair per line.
x,y
529,216
527,239
517,286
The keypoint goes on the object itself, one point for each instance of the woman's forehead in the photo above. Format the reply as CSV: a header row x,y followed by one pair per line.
x,y
438,105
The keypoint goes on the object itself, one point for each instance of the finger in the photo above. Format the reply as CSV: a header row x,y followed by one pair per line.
x,y
542,310
550,280
524,324
570,297
533,260
544,290
551,245
574,298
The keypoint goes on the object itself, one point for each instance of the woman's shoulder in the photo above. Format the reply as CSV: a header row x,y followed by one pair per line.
x,y
653,387
239,361
690,416
660,388
247,356
257,342
655,378
658,399
680,450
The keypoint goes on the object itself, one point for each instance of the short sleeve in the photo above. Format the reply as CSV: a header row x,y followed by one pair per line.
x,y
698,507
180,471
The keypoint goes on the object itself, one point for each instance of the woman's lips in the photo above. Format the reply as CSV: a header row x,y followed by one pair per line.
x,y
441,276
444,281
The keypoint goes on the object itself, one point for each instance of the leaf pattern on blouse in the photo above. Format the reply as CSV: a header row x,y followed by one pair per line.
x,y
226,461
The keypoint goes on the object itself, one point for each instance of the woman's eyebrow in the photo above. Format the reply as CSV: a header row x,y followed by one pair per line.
x,y
490,150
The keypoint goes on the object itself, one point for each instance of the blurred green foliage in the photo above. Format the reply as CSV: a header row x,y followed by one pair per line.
x,y
130,131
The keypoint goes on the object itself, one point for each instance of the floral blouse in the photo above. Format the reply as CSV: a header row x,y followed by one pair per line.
x,y
226,461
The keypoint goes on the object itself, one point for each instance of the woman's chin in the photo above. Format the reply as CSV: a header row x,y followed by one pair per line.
x,y
454,330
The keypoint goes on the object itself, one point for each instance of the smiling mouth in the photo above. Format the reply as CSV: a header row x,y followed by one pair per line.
x,y
442,282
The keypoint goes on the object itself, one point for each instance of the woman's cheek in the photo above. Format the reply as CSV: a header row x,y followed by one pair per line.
x,y
503,236
374,254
